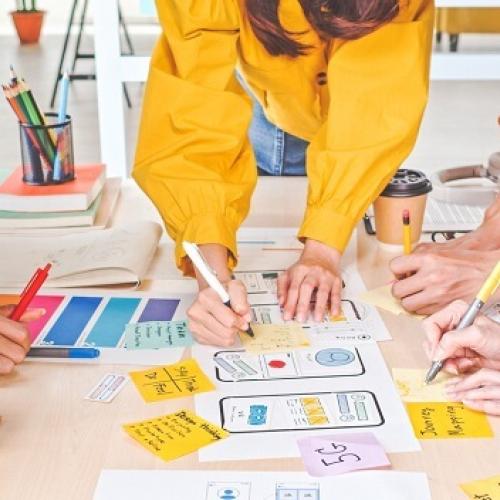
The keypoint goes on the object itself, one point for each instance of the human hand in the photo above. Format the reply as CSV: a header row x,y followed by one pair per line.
x,y
436,279
14,337
479,391
477,346
485,237
211,322
316,271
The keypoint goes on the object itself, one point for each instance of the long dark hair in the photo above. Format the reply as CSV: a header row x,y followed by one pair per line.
x,y
345,19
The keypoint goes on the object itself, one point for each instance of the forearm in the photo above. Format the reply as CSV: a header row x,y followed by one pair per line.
x,y
217,257
329,255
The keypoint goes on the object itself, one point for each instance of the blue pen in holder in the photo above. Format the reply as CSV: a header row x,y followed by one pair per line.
x,y
47,151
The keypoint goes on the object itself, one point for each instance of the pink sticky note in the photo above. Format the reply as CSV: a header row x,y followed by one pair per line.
x,y
340,453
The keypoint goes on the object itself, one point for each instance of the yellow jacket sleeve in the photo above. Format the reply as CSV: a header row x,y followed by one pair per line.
x,y
193,157
378,88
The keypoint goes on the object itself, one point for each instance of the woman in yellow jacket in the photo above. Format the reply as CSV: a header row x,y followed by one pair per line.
x,y
349,77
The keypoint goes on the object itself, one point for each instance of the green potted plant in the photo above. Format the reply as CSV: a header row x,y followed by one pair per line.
x,y
28,21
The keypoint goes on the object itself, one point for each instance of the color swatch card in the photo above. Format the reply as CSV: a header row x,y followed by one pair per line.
x,y
171,381
447,420
175,435
413,389
484,489
157,335
275,338
86,319
338,454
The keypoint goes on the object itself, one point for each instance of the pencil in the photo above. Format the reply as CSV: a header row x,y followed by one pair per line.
x,y
41,117
20,113
32,118
406,232
14,104
13,76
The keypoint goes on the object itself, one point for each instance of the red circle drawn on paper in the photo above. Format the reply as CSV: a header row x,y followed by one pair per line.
x,y
277,363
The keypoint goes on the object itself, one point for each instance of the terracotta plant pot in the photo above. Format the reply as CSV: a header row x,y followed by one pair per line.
x,y
28,25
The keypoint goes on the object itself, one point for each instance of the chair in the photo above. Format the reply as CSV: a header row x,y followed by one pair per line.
x,y
456,21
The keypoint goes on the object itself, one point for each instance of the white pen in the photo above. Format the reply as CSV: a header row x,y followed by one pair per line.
x,y
209,275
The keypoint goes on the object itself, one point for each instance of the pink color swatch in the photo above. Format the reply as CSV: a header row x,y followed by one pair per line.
x,y
48,302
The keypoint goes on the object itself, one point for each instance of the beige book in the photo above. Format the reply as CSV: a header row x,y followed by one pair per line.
x,y
116,256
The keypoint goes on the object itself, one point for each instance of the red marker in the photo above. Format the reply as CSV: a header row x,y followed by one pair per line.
x,y
34,284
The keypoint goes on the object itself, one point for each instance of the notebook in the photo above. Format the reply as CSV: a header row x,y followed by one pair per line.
x,y
97,216
116,256
79,194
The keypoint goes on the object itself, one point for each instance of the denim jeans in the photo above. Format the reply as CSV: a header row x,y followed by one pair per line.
x,y
276,151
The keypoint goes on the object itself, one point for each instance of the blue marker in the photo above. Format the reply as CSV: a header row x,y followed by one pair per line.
x,y
64,352
63,105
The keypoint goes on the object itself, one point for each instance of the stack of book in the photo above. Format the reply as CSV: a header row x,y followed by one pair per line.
x,y
84,204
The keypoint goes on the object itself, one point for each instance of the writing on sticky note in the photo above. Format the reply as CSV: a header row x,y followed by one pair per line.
x,y
171,381
157,335
275,338
413,389
484,489
382,297
447,420
175,435
338,454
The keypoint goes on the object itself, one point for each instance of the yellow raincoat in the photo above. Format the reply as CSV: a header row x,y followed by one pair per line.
x,y
359,103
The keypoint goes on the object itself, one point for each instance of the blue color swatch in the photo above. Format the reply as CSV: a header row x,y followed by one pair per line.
x,y
72,321
110,326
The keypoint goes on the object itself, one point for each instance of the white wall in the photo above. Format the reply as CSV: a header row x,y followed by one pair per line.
x,y
58,13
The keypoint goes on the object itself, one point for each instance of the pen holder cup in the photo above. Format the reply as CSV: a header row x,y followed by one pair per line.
x,y
47,151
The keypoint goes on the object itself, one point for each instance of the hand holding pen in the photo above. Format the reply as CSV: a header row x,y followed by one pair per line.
x,y
461,320
221,310
15,338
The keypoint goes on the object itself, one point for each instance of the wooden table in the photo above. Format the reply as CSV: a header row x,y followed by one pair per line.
x,y
53,443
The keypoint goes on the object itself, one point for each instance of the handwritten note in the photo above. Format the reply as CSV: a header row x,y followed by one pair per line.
x,y
157,335
484,489
175,435
171,381
413,389
382,297
337,454
447,420
274,338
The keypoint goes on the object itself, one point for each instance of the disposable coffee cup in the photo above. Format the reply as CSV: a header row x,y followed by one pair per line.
x,y
407,190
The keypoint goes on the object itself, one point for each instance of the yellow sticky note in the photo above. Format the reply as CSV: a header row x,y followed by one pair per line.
x,y
171,381
382,297
339,317
175,435
275,338
413,389
484,489
447,420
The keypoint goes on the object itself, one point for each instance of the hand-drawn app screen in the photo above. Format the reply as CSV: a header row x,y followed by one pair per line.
x,y
294,491
292,412
231,366
218,490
